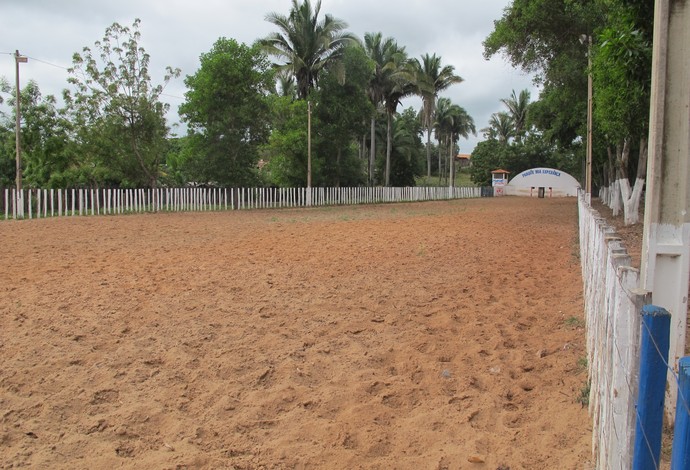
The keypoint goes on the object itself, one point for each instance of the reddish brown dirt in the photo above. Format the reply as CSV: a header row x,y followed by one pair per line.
x,y
433,335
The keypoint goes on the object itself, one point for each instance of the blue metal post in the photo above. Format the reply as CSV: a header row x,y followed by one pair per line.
x,y
656,324
680,457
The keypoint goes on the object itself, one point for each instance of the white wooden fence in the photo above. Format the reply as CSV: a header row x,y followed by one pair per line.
x,y
37,203
612,310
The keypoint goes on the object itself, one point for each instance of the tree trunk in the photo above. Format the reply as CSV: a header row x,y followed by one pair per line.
x,y
372,151
389,148
439,159
428,150
337,166
451,160
631,198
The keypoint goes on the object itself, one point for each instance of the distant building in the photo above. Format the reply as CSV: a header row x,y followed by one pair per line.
x,y
464,160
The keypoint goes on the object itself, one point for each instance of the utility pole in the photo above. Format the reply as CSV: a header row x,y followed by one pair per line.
x,y
665,266
588,181
18,59
588,165
308,144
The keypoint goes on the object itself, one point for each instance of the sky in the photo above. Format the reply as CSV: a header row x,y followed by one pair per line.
x,y
176,32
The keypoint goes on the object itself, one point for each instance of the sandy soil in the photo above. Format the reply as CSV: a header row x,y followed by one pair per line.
x,y
433,335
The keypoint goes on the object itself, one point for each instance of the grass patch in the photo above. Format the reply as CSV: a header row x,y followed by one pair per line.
x,y
583,397
575,323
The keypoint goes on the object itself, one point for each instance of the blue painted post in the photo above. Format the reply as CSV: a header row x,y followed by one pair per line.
x,y
680,457
656,324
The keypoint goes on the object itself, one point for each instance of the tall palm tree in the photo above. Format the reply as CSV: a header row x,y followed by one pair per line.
x,y
517,108
431,78
381,52
399,86
443,118
500,127
306,44
461,125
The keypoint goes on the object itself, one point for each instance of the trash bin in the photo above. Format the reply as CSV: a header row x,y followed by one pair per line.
x,y
541,191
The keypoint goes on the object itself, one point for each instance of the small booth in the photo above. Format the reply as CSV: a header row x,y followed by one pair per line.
x,y
542,182
499,179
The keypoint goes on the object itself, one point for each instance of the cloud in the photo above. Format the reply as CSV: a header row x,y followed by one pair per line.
x,y
177,32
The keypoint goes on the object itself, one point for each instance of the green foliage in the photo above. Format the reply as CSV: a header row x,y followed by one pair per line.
x,y
407,150
533,151
227,112
286,150
45,139
116,111
622,73
340,105
307,44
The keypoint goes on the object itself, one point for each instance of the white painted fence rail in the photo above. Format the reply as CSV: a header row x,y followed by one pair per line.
x,y
37,203
612,311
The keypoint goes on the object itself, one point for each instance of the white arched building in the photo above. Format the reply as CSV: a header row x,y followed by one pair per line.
x,y
542,182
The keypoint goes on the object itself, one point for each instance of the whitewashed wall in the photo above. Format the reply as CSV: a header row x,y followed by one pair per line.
x,y
612,312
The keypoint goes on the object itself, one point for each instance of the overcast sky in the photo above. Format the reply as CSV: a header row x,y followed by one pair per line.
x,y
176,32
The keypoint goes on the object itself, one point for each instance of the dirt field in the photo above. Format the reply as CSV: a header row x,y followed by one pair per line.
x,y
425,336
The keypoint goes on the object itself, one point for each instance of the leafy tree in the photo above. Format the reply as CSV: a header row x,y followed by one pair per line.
x,y
622,72
487,156
543,37
286,149
339,108
430,78
227,112
406,150
45,137
119,118
306,44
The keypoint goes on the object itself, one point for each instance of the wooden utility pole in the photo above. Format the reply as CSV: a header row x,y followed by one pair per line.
x,y
588,176
308,144
665,266
18,59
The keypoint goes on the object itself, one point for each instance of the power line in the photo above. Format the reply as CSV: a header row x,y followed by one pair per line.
x,y
48,63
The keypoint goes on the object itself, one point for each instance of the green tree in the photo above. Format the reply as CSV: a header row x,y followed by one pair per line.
x,y
517,107
45,138
400,84
406,149
459,125
385,54
227,113
543,37
339,107
621,67
119,118
501,128
286,149
431,78
306,44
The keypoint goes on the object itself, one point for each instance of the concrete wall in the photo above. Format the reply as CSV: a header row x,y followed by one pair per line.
x,y
612,314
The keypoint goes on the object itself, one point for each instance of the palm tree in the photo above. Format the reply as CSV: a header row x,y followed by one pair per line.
x,y
285,84
381,52
431,78
500,127
442,120
399,86
517,108
461,125
306,44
